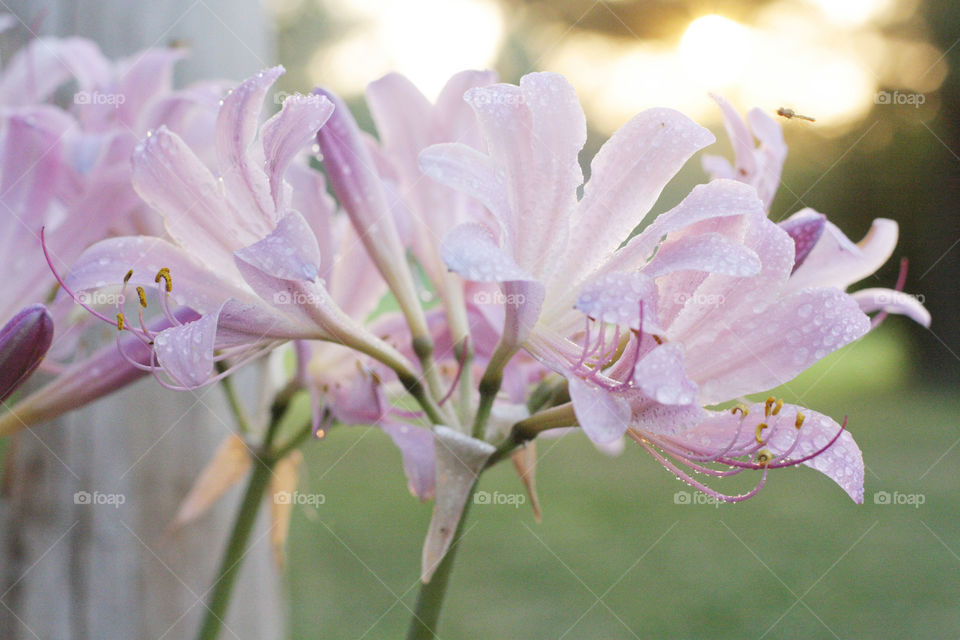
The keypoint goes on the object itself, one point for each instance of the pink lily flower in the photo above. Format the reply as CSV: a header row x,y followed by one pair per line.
x,y
657,346
239,254
824,255
721,337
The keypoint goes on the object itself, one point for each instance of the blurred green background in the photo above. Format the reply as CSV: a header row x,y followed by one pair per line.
x,y
616,556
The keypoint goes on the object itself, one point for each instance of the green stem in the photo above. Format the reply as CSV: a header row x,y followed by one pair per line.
x,y
239,412
243,525
236,548
489,386
528,429
423,624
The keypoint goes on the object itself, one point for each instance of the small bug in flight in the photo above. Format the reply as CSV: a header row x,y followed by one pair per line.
x,y
790,114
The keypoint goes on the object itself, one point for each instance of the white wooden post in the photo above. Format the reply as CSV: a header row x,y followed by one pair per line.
x,y
72,571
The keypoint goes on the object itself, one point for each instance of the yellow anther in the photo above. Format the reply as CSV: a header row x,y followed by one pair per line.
x,y
760,427
768,405
764,457
119,322
742,408
143,297
127,277
164,274
778,406
800,419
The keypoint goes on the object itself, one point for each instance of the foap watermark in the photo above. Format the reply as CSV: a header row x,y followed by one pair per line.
x,y
295,497
899,97
300,298
899,499
699,299
695,497
98,98
98,498
892,297
280,96
499,297
497,498
95,298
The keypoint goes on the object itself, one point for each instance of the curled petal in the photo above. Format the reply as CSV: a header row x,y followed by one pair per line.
x,y
602,415
661,374
186,352
835,261
805,227
290,252
892,301
242,162
472,251
287,133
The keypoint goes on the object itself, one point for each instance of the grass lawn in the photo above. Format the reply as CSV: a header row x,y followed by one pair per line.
x,y
616,557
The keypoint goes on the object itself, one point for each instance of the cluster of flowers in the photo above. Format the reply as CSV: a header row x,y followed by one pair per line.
x,y
519,302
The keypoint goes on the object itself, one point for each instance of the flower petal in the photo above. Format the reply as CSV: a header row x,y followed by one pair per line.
x,y
764,350
106,263
627,176
892,301
472,173
171,179
661,375
711,252
835,261
769,157
616,298
805,227
44,64
716,199
242,162
289,132
472,251
842,461
417,449
604,416
290,252
186,352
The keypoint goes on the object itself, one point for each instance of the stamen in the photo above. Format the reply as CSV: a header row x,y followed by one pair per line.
x,y
127,277
760,427
164,274
764,457
768,405
742,408
120,321
800,419
142,295
778,406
